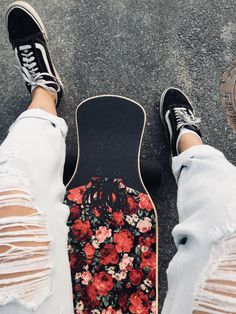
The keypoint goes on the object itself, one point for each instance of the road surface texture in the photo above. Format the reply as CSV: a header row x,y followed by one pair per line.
x,y
135,48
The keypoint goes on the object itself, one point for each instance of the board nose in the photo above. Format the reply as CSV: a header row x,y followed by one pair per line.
x,y
110,130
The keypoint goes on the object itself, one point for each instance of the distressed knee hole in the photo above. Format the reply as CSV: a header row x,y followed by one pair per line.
x,y
10,192
14,197
16,210
25,251
217,290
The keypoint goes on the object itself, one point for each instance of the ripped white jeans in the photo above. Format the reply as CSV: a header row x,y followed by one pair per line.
x,y
34,266
202,274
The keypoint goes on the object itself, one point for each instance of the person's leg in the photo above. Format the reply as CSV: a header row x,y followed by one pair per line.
x,y
43,99
34,266
202,274
218,282
32,159
187,141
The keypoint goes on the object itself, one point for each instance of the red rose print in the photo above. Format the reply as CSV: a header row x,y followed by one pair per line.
x,y
96,212
108,255
81,229
76,262
73,260
121,184
108,274
147,241
148,260
152,276
145,202
109,310
74,212
139,303
124,241
118,218
76,195
94,179
89,250
103,283
135,276
132,206
92,295
128,285
113,197
77,288
123,300
109,209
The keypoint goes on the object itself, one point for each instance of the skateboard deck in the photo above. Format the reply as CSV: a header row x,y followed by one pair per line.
x,y
113,222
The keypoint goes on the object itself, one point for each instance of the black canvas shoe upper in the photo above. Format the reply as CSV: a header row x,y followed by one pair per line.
x,y
28,38
176,113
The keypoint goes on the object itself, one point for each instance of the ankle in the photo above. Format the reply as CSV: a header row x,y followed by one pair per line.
x,y
44,99
188,140
39,92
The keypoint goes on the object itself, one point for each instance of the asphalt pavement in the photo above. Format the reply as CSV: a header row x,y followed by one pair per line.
x,y
135,48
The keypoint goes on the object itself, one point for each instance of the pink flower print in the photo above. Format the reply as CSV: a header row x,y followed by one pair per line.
x,y
86,277
126,263
102,233
144,225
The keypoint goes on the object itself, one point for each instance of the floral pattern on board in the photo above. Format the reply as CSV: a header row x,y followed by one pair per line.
x,y
112,248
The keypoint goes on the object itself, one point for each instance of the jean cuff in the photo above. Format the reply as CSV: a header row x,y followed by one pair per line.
x,y
44,115
194,151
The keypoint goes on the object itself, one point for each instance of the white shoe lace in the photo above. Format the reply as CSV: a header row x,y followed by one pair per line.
x,y
29,71
185,118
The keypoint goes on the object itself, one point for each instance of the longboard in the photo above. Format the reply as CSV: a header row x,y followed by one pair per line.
x,y
113,221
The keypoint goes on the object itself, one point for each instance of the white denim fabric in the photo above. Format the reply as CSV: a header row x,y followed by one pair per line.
x,y
205,236
31,161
